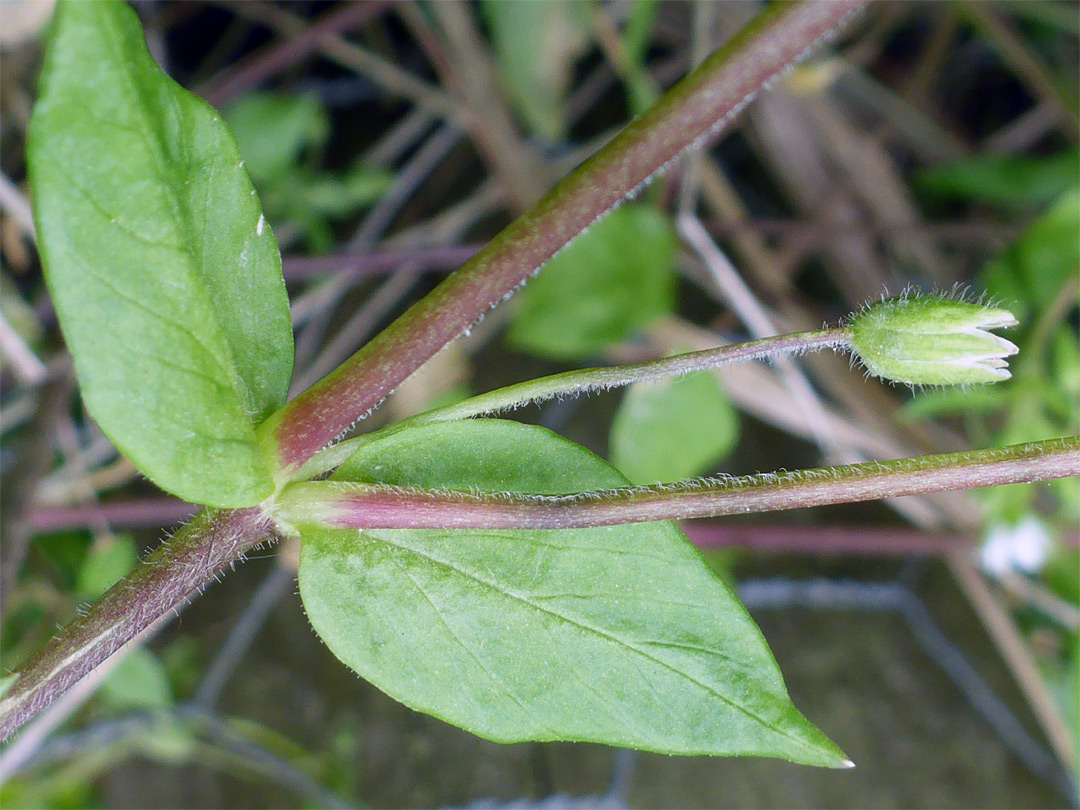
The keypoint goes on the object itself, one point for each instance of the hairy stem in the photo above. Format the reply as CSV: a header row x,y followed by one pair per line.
x,y
166,579
369,506
573,383
587,380
699,106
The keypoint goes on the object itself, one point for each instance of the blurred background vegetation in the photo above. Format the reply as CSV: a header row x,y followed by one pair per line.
x,y
934,145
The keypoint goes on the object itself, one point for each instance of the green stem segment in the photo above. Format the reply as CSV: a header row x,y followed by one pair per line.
x,y
371,506
699,106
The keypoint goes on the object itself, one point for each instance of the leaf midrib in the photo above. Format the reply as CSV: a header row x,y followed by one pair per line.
x,y
153,143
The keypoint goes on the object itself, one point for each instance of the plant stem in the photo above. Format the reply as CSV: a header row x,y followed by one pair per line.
x,y
587,380
147,513
166,579
699,106
277,57
370,506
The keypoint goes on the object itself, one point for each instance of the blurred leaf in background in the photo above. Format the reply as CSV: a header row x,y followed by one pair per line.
x,y
1007,181
275,130
138,681
19,315
282,138
1036,277
536,45
64,554
71,788
1032,271
108,559
611,281
672,429
641,89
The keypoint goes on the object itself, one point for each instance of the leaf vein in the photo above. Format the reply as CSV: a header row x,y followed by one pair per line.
x,y
583,625
499,682
105,281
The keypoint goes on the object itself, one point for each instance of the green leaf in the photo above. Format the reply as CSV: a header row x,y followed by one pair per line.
x,y
672,429
169,740
637,32
929,403
7,681
1031,271
1071,697
641,90
619,635
138,681
18,313
614,279
105,564
338,196
273,130
535,45
1064,372
1062,572
65,552
165,277
1004,180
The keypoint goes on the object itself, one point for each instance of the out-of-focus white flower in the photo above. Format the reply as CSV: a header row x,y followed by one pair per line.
x,y
1020,547
932,340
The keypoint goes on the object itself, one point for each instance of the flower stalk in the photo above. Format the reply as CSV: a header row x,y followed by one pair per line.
x,y
914,339
589,380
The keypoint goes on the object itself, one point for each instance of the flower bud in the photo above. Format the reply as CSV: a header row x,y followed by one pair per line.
x,y
932,340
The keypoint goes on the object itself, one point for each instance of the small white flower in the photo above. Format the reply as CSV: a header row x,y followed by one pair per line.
x,y
932,340
1024,546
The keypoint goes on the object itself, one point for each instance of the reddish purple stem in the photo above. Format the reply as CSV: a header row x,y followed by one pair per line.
x,y
167,578
280,56
145,513
375,507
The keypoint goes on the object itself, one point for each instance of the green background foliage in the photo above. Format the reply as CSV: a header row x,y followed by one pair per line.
x,y
612,280
672,429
